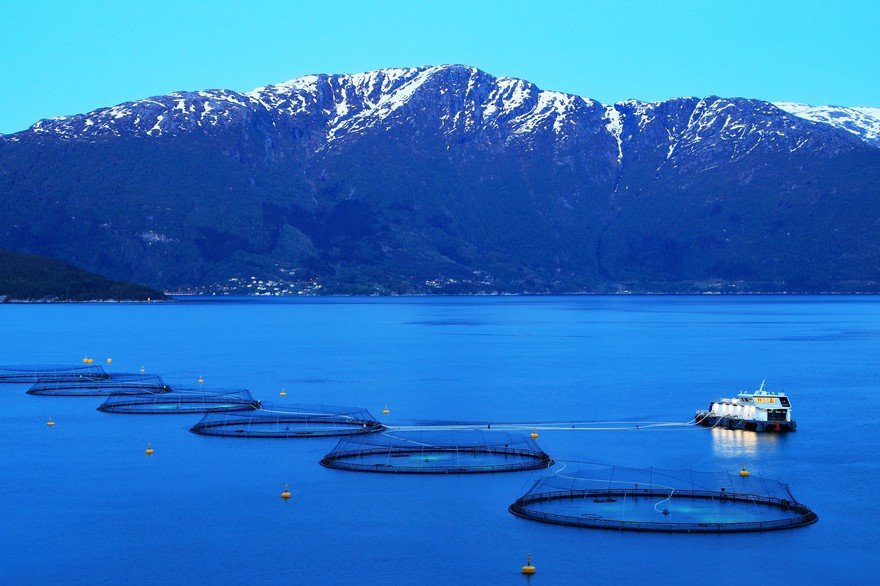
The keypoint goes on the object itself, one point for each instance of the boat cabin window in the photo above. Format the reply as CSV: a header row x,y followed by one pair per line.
x,y
784,401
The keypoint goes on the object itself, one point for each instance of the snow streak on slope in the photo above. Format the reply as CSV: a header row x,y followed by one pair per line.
x,y
614,126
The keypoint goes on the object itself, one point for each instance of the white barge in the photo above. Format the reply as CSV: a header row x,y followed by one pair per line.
x,y
757,411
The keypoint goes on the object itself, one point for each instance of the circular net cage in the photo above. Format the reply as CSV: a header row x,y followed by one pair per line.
x,y
33,373
179,401
650,499
115,384
289,421
438,452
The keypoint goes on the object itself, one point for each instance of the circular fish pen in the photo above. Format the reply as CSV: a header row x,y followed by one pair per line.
x,y
439,452
671,501
30,374
179,401
116,384
289,421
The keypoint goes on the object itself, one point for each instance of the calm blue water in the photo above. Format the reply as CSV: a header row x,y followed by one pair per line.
x,y
80,502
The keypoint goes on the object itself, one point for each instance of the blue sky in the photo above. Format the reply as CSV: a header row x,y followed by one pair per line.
x,y
69,57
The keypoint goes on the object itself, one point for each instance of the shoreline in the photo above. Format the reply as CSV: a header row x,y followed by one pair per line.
x,y
191,297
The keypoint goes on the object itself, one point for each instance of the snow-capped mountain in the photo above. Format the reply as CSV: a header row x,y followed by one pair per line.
x,y
863,122
459,100
448,178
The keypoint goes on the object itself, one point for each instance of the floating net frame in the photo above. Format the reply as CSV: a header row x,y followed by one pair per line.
x,y
469,451
683,501
30,374
116,384
289,421
179,401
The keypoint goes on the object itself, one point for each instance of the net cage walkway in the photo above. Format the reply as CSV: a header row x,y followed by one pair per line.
x,y
178,401
673,501
289,421
439,452
30,374
115,384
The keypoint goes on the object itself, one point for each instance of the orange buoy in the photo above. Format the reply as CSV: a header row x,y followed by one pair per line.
x,y
149,451
386,410
528,569
50,423
283,393
285,494
534,434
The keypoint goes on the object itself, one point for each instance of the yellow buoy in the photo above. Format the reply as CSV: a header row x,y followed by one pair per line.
x,y
283,393
149,451
143,370
743,472
386,410
201,380
534,434
528,568
109,361
50,423
87,360
286,493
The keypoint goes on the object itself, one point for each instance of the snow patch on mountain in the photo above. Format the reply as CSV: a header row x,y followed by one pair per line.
x,y
179,112
863,122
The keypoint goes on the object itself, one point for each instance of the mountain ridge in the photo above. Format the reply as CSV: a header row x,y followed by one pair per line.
x,y
292,97
446,179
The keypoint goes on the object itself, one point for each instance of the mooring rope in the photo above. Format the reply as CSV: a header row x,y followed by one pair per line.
x,y
553,426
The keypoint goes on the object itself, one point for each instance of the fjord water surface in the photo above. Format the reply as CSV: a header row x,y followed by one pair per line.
x,y
80,502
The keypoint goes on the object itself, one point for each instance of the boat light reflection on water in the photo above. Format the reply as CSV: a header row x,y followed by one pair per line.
x,y
736,443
